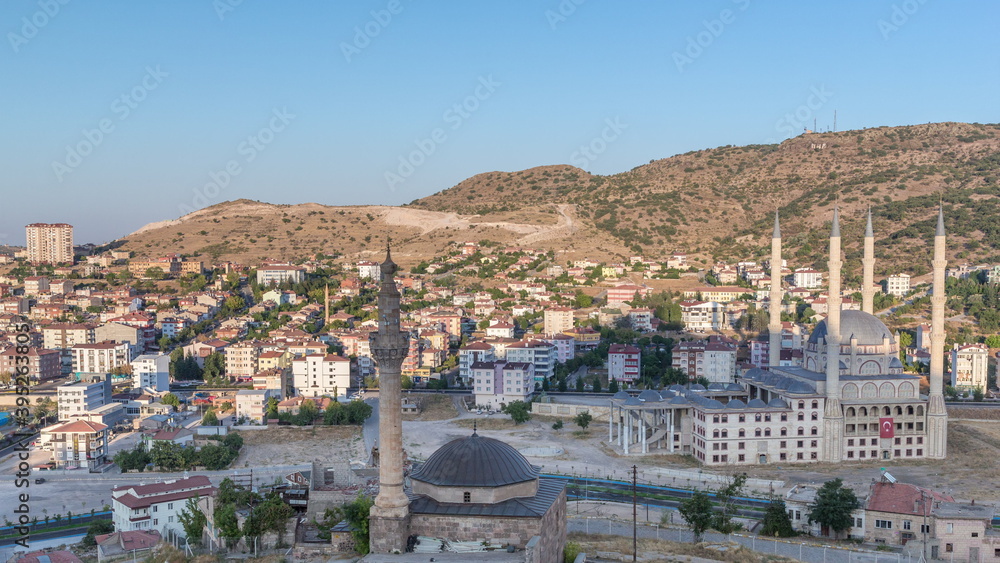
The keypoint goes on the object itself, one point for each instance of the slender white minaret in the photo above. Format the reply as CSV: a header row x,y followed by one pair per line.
x,y
833,417
868,269
937,414
774,327
326,305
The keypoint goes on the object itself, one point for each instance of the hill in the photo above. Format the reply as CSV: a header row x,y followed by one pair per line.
x,y
716,204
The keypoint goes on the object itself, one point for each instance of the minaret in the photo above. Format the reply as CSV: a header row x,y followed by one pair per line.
x,y
937,415
868,269
390,517
326,306
833,417
774,327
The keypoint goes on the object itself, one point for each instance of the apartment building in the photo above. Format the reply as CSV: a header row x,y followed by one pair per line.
x,y
276,274
156,506
251,404
42,364
470,354
623,363
242,359
80,443
713,358
81,397
969,366
49,243
151,371
898,285
539,353
101,357
314,375
557,320
500,383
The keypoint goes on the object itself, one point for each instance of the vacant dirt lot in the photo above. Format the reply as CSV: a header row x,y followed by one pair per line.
x,y
292,445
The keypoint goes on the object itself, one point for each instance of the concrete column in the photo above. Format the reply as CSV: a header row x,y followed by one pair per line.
x,y
868,269
642,432
774,307
628,428
671,435
611,423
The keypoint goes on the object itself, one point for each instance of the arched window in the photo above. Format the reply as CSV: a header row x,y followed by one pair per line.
x,y
784,432
715,419
715,433
862,411
725,418
886,411
815,404
742,432
851,411
802,431
784,417
802,415
725,433
756,417
814,431
920,410
767,431
743,418
815,415
757,432
909,409
802,404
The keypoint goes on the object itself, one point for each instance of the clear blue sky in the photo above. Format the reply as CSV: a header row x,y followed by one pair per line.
x,y
549,80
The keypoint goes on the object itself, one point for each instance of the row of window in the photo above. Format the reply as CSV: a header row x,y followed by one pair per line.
x,y
895,453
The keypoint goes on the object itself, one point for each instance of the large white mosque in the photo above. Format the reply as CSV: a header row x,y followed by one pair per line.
x,y
858,406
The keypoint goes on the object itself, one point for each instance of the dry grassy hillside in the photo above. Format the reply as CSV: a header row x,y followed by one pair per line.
x,y
715,204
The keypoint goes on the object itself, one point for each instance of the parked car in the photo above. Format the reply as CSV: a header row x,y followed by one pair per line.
x,y
39,480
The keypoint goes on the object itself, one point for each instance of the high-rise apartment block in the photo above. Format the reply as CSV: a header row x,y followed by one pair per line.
x,y
50,243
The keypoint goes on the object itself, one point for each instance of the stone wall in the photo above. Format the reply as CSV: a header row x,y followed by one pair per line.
x,y
485,495
562,410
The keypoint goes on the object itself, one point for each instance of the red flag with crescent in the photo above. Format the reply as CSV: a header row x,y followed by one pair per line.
x,y
886,429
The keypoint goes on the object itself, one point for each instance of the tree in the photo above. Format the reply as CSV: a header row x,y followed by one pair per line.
x,y
725,497
193,520
583,419
234,304
210,418
96,528
597,384
776,521
579,385
557,425
978,394
167,455
562,386
993,341
697,512
172,400
356,513
519,411
215,366
833,506
154,273
612,386
406,382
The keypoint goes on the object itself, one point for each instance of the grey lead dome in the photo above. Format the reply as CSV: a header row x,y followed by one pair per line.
x,y
475,462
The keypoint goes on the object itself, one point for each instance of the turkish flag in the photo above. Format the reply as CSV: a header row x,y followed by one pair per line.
x,y
886,429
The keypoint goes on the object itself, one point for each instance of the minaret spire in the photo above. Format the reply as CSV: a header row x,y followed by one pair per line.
x,y
390,517
868,269
937,414
833,418
774,307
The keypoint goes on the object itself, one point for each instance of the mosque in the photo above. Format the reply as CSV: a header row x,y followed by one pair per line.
x,y
472,489
850,401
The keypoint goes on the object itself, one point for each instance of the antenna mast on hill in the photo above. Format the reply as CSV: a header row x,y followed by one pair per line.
x,y
834,121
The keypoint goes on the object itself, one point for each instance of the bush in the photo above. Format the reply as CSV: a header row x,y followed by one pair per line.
x,y
571,551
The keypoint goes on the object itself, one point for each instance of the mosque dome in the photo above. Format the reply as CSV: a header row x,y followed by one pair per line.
x,y
475,462
865,327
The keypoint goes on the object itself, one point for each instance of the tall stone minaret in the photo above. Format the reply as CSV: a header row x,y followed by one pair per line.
x,y
774,327
833,417
937,414
868,269
390,517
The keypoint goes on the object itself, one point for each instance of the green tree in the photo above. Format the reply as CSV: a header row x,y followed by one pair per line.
x,y
167,455
96,528
993,341
776,520
597,384
697,512
833,506
978,394
210,418
356,513
193,521
562,386
154,273
557,425
612,386
172,400
580,385
234,304
726,499
583,419
215,367
407,382
519,411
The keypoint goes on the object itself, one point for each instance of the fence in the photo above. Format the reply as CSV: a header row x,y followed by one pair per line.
x,y
802,551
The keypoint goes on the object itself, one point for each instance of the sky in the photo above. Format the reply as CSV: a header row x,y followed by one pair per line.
x,y
119,113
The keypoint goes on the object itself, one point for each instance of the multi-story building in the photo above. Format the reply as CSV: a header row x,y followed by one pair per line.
x,y
36,285
156,506
242,360
470,354
42,364
171,327
641,319
584,337
703,316
565,346
314,375
557,320
81,397
275,274
539,353
898,285
63,336
101,357
274,359
969,364
277,381
625,293
80,443
368,270
719,294
807,278
50,243
962,531
144,324
897,513
151,371
251,404
623,363
713,358
499,383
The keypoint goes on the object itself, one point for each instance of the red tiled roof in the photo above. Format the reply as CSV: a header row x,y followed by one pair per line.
x,y
903,498
85,426
136,539
51,557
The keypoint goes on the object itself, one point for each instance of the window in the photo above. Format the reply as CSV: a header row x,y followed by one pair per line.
x,y
784,417
783,444
767,417
884,524
798,515
850,455
725,418
157,522
815,404
800,444
757,432
784,432
925,528
850,442
466,496
802,416
858,523
906,524
715,459
743,418
742,457
741,445
767,431
170,506
948,548
812,443
725,433
975,534
155,507
170,518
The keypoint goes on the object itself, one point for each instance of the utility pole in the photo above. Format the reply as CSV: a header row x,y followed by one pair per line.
x,y
635,536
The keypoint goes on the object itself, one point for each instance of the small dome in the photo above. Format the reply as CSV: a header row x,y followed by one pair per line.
x,y
736,404
777,403
756,404
678,400
649,396
621,395
713,404
784,383
631,401
677,388
716,387
800,388
697,387
667,394
754,373
475,462
734,387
